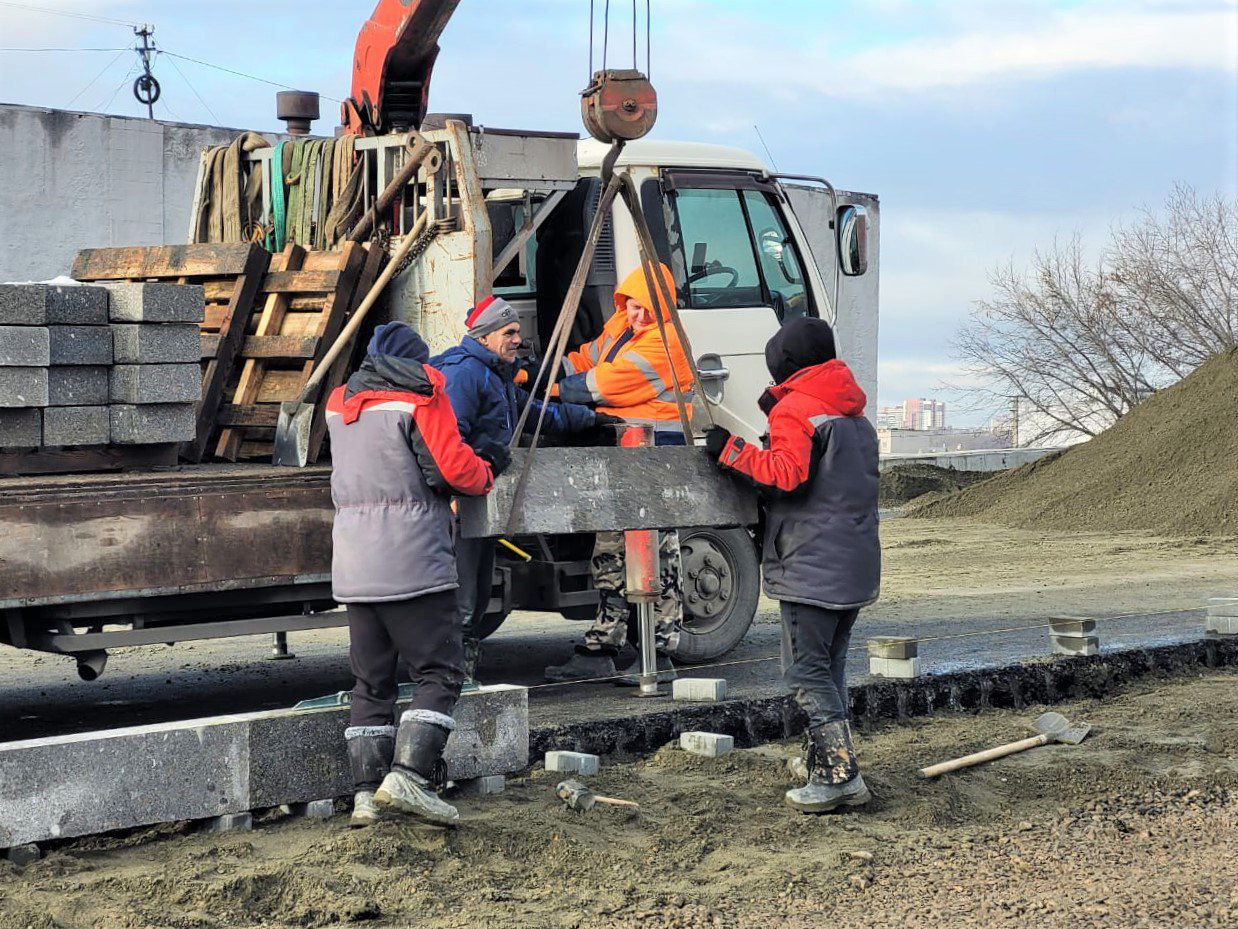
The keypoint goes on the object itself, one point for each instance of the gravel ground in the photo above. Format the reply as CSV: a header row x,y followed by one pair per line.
x,y
1138,826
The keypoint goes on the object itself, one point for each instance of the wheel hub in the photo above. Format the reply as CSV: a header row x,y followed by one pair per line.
x,y
708,583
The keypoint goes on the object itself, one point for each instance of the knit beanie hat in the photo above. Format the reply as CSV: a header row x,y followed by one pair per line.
x,y
799,344
399,340
490,315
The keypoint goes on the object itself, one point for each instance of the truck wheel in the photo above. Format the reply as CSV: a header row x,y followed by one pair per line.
x,y
721,581
489,624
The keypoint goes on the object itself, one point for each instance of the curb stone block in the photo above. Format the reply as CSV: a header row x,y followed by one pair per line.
x,y
1072,626
1223,606
23,387
21,428
76,425
1076,644
708,744
573,763
699,689
52,304
902,668
77,385
232,822
144,384
153,423
899,647
157,343
25,347
1221,625
482,786
154,302
80,345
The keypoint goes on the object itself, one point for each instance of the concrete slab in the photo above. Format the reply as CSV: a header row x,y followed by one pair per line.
x,y
48,304
80,345
573,763
155,302
21,428
708,744
893,646
482,786
77,385
1072,625
1221,625
23,387
156,343
153,423
143,384
76,425
698,689
901,668
202,769
592,489
1223,606
25,347
1075,644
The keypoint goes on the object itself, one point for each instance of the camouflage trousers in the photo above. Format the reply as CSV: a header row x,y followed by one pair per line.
x,y
609,631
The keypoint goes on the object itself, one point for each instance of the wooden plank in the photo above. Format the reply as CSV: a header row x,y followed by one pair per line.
x,y
300,282
161,261
232,336
279,385
218,290
258,416
216,314
322,261
270,322
102,458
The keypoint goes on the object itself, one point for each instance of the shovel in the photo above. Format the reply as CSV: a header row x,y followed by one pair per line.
x,y
296,417
577,796
1052,727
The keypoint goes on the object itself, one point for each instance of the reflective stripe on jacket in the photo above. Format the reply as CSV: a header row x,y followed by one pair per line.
x,y
396,457
626,373
820,472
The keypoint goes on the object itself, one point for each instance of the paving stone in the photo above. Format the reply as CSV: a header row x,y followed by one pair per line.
x,y
232,822
1075,644
23,387
156,343
1223,606
573,763
92,782
1072,625
78,385
709,744
52,304
902,668
176,383
699,689
80,345
153,423
1221,625
155,302
76,425
21,428
482,786
22,855
898,647
25,347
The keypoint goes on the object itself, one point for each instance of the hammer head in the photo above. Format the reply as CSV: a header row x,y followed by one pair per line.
x,y
1059,729
576,795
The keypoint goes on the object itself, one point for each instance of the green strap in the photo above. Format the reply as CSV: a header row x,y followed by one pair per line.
x,y
279,204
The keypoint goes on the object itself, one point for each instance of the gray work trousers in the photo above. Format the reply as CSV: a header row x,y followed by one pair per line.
x,y
814,659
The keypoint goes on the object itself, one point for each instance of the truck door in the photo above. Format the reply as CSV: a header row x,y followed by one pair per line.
x,y
741,274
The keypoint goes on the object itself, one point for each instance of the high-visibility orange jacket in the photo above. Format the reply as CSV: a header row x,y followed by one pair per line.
x,y
626,372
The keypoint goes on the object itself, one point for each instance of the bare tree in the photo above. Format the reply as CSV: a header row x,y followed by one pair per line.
x,y
1078,343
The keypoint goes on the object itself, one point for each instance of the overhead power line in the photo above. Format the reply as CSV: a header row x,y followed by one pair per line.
x,y
215,117
64,49
107,67
252,77
72,14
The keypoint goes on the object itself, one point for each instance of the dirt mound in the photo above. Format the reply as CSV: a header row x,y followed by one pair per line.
x,y
903,483
1169,466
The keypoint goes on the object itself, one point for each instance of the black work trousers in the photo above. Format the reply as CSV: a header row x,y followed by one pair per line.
x,y
425,633
814,659
475,568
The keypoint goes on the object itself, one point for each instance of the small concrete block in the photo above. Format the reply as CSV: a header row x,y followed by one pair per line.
x,y
25,347
22,855
50,304
153,423
156,343
176,383
23,387
482,786
1076,644
573,763
78,385
76,425
1221,625
709,744
699,689
320,809
1223,606
1072,625
232,822
80,345
903,668
893,646
155,303
21,428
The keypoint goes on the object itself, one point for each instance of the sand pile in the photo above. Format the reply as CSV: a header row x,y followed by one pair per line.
x,y
1169,466
903,483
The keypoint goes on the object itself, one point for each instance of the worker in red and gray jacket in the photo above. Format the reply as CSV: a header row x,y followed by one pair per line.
x,y
822,557
397,456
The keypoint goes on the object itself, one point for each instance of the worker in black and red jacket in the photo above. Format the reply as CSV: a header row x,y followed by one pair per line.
x,y
822,557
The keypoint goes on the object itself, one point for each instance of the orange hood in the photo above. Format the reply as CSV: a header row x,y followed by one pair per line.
x,y
635,287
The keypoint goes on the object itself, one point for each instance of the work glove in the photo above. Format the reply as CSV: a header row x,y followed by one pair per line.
x,y
605,419
716,439
498,456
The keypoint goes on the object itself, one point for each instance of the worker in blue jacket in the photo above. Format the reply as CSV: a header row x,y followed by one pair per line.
x,y
480,374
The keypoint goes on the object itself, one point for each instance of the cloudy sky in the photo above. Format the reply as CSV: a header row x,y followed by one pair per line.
x,y
987,127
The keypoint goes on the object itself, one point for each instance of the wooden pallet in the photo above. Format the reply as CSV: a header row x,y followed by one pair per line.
x,y
230,275
87,459
304,298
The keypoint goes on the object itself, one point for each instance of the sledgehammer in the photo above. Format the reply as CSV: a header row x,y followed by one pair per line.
x,y
579,797
1052,727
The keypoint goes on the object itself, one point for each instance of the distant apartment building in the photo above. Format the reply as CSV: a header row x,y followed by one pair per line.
x,y
926,441
916,413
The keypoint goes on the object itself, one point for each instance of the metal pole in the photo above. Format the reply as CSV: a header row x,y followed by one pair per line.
x,y
644,577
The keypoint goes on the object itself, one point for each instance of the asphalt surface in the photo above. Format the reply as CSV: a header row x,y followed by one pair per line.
x,y
42,696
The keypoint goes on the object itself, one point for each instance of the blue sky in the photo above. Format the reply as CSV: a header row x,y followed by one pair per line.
x,y
987,127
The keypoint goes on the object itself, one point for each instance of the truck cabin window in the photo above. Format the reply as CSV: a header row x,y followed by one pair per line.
x,y
737,252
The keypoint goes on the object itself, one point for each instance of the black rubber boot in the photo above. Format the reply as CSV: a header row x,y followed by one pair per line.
x,y
631,675
417,770
370,749
833,772
582,666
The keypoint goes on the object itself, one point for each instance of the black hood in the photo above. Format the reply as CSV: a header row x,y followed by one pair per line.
x,y
799,344
390,372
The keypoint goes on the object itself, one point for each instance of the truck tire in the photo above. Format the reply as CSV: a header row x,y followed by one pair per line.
x,y
489,624
721,580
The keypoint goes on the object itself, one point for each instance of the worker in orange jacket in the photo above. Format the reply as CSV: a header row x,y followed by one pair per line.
x,y
626,372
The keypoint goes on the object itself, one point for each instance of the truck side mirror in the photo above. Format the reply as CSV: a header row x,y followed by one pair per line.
x,y
852,226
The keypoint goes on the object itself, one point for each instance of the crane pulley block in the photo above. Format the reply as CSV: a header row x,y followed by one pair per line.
x,y
619,105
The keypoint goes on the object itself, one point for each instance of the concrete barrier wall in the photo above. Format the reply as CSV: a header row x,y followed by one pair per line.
x,y
81,180
998,459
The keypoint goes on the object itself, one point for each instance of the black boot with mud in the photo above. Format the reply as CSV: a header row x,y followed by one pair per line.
x,y
417,774
834,778
584,665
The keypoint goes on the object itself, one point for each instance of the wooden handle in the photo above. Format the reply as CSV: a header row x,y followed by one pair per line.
x,y
615,801
988,754
358,316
